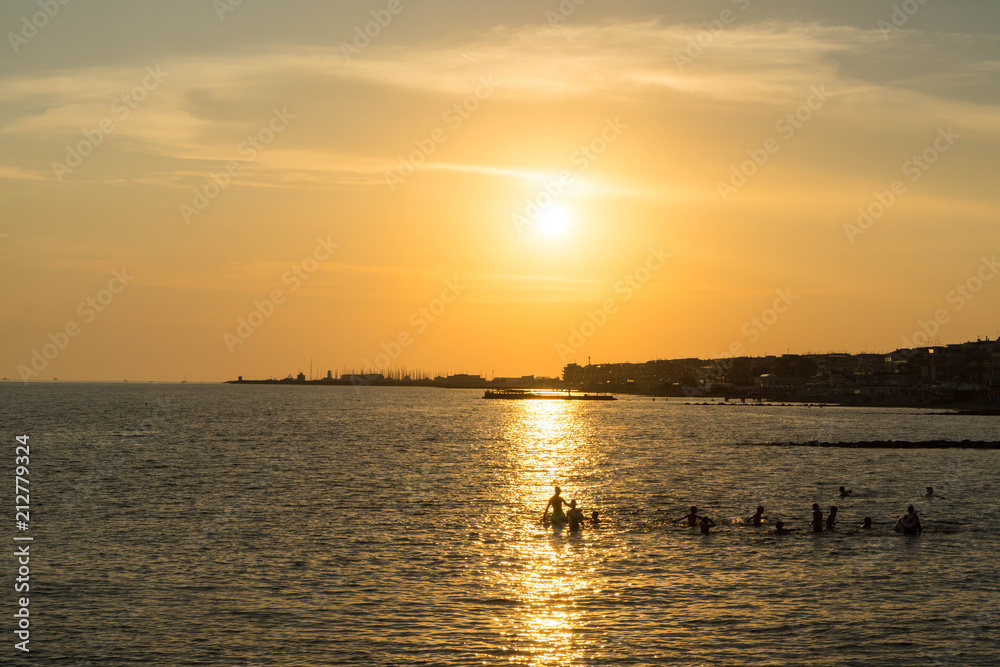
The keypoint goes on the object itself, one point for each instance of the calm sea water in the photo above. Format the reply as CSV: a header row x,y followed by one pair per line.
x,y
255,525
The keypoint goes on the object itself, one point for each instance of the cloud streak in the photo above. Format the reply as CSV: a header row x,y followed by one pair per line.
x,y
205,106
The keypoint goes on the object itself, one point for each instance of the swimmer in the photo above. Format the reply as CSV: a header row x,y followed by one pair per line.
x,y
779,528
909,524
817,522
930,492
831,519
595,519
867,523
556,503
844,492
706,525
691,517
759,517
574,516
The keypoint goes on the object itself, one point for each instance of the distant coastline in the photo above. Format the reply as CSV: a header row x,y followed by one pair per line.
x,y
963,377
971,407
339,382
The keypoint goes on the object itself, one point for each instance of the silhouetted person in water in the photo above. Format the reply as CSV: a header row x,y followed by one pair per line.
x,y
867,523
930,492
556,503
779,528
844,493
831,519
691,517
817,522
706,525
758,517
574,516
909,524
594,518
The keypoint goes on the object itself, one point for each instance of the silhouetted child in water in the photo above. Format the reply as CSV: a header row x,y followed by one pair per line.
x,y
574,516
867,523
759,517
594,518
843,493
817,522
831,519
706,525
691,517
779,528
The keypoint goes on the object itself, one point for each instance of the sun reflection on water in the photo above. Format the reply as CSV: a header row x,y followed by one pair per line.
x,y
550,445
548,439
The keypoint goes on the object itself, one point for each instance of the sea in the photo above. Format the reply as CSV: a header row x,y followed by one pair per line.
x,y
216,524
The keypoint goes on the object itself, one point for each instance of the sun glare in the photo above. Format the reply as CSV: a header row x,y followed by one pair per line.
x,y
554,220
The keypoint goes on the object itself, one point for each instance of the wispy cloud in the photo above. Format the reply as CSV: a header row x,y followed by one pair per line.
x,y
18,174
208,105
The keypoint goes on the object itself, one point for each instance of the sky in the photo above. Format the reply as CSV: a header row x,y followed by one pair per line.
x,y
205,189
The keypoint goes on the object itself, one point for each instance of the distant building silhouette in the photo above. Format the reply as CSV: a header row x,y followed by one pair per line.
x,y
966,371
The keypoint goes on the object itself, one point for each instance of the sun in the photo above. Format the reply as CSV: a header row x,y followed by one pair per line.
x,y
554,220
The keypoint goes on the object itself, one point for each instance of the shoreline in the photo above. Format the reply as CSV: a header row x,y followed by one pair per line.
x,y
963,408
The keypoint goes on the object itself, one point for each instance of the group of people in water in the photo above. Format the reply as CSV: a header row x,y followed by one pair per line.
x,y
908,523
574,516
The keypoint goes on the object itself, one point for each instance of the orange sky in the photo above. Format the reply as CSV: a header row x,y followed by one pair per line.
x,y
478,190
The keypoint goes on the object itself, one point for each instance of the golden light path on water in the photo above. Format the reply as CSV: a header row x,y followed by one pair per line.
x,y
549,444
